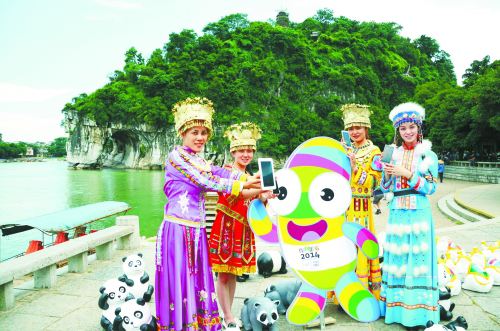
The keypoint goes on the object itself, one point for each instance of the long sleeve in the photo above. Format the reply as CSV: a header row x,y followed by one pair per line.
x,y
423,179
385,185
204,175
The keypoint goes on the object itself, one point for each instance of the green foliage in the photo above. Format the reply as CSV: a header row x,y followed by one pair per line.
x,y
11,150
57,147
461,118
288,81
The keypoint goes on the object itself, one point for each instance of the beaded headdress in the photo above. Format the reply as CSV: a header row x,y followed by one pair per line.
x,y
407,112
243,135
355,115
193,112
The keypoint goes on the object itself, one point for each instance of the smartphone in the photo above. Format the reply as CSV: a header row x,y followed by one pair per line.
x,y
387,153
346,138
266,169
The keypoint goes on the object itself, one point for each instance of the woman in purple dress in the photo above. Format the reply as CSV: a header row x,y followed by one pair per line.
x,y
185,294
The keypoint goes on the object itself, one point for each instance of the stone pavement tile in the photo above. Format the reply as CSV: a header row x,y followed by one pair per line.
x,y
462,299
83,319
15,321
81,286
489,302
477,319
53,305
489,305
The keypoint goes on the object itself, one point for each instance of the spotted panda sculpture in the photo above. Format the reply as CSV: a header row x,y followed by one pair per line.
x,y
134,315
114,292
260,313
134,271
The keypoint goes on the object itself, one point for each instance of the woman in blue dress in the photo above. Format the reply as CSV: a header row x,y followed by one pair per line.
x,y
409,274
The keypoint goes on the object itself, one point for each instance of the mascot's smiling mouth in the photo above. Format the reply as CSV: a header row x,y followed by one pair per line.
x,y
307,232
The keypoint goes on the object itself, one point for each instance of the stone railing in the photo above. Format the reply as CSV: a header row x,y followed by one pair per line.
x,y
43,263
481,174
475,164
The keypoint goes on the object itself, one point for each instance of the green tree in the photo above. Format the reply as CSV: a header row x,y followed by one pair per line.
x,y
58,147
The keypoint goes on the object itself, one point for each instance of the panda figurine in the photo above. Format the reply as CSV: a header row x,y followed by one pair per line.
x,y
445,305
114,292
134,315
460,324
271,262
284,291
260,313
133,269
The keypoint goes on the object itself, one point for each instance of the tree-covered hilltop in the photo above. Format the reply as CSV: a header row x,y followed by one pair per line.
x,y
290,78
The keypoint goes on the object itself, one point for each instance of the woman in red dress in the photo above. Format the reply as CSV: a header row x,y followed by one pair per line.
x,y
232,242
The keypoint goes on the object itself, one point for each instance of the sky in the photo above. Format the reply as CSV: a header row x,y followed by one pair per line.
x,y
54,50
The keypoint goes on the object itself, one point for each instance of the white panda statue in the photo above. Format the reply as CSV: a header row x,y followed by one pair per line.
x,y
134,315
114,292
138,279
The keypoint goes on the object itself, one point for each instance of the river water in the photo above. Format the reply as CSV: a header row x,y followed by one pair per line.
x,y
29,189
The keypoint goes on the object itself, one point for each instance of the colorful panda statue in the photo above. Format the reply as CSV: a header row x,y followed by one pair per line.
x,y
317,242
114,292
134,315
134,271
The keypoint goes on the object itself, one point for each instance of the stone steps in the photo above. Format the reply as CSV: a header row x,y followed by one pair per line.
x,y
451,215
458,214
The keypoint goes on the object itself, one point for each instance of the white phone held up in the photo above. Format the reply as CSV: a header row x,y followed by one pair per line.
x,y
267,178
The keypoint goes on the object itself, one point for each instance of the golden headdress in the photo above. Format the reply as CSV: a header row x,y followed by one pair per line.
x,y
193,112
243,135
356,115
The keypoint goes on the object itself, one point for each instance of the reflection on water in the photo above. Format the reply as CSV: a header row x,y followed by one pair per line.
x,y
37,188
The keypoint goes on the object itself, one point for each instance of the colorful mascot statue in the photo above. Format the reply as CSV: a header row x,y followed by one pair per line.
x,y
317,243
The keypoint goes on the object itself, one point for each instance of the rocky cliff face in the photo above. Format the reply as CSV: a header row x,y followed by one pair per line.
x,y
116,145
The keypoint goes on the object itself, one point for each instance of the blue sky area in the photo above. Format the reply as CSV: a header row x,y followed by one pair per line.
x,y
53,50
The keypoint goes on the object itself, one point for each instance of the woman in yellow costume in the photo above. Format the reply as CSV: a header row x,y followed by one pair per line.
x,y
366,174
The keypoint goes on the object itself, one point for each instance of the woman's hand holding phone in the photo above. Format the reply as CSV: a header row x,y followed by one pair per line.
x,y
397,170
252,181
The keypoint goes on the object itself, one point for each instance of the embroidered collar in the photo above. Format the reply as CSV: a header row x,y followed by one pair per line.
x,y
367,144
188,150
409,148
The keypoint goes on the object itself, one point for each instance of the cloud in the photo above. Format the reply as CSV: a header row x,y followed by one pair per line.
x,y
120,4
19,93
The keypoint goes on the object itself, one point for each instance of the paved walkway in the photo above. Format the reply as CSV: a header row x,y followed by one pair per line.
x,y
72,303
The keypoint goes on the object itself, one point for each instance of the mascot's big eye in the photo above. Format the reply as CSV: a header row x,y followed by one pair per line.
x,y
126,320
282,192
130,264
122,289
138,262
112,295
138,314
327,194
330,194
289,192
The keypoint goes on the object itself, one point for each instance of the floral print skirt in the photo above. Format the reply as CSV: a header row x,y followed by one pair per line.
x,y
184,293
